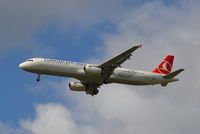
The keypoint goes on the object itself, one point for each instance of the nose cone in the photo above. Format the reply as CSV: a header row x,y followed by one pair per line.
x,y
23,66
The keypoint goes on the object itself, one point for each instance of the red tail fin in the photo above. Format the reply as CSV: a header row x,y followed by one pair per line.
x,y
165,66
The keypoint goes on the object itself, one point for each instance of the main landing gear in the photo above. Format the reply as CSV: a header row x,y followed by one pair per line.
x,y
106,81
95,92
38,78
92,92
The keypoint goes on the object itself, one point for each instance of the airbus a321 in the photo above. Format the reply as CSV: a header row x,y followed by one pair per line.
x,y
91,76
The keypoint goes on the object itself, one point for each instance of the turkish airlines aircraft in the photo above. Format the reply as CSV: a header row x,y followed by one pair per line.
x,y
91,76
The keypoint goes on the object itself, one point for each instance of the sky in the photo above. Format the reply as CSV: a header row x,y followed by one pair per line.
x,y
92,31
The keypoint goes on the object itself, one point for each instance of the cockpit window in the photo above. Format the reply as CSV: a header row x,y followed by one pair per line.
x,y
30,60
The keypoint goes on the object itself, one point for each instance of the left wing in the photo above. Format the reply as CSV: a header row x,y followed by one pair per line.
x,y
109,66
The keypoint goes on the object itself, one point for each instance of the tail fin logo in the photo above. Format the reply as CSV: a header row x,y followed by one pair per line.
x,y
165,66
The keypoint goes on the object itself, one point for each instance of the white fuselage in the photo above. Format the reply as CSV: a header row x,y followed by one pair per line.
x,y
76,70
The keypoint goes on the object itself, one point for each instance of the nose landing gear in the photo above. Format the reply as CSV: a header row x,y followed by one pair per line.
x,y
38,78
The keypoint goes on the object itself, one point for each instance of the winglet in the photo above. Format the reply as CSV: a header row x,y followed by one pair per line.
x,y
140,45
173,74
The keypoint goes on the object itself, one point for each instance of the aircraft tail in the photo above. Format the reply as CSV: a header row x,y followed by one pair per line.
x,y
165,66
172,75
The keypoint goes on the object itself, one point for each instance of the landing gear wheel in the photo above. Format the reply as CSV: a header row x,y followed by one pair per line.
x,y
106,81
38,78
95,92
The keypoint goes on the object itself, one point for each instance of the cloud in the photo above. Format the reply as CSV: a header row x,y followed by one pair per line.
x,y
163,30
21,20
51,116
54,118
117,109
7,129
153,109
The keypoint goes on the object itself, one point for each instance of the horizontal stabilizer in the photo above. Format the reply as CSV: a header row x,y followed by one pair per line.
x,y
173,74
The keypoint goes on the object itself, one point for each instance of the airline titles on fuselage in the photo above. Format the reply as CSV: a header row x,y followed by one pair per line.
x,y
64,62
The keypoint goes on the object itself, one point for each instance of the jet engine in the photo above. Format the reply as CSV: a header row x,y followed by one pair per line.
x,y
77,86
92,70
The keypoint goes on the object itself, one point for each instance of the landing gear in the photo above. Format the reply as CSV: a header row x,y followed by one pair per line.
x,y
164,84
106,81
95,92
38,78
92,92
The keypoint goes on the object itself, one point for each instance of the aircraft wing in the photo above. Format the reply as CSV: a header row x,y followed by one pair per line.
x,y
109,66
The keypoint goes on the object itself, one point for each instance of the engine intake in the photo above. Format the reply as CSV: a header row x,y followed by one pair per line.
x,y
77,86
92,70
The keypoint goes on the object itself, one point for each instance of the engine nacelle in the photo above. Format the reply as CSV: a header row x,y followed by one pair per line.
x,y
92,70
77,86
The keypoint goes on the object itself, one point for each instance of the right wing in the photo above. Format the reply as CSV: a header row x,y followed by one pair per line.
x,y
109,66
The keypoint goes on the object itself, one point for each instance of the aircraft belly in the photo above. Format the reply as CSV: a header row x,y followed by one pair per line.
x,y
129,82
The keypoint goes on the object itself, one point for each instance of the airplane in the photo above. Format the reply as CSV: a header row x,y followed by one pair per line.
x,y
91,76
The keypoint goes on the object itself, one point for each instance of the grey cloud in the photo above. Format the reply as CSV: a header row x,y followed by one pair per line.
x,y
153,109
7,129
54,118
164,30
22,19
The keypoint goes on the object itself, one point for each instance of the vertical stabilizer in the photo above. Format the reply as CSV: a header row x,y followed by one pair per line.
x,y
165,66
